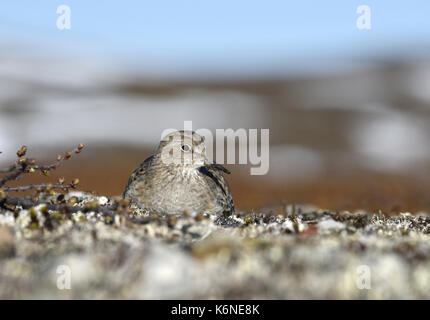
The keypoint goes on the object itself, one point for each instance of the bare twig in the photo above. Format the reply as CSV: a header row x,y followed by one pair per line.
x,y
9,169
10,177
41,186
24,165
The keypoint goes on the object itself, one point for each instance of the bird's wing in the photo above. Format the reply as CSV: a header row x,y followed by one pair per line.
x,y
136,172
214,174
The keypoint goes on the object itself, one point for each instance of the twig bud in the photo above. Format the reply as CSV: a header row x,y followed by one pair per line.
x,y
21,151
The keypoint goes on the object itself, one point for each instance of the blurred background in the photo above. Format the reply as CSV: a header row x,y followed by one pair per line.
x,y
348,109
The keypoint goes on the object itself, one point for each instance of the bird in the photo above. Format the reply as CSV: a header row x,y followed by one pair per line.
x,y
179,178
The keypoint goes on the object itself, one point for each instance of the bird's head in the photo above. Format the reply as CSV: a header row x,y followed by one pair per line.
x,y
183,148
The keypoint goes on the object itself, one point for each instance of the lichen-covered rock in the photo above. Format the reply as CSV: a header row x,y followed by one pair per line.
x,y
286,254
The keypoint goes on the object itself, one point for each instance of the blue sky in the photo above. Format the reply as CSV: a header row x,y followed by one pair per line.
x,y
221,34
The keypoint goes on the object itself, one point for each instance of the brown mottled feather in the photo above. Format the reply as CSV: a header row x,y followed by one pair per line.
x,y
172,188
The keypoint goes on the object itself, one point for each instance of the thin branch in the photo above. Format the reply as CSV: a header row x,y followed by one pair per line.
x,y
24,166
7,170
10,177
42,186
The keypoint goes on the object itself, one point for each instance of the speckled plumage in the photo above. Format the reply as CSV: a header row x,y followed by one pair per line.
x,y
186,181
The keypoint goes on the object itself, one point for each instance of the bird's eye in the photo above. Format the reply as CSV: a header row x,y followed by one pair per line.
x,y
186,148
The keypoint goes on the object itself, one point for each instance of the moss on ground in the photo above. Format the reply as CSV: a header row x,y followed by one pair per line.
x,y
308,253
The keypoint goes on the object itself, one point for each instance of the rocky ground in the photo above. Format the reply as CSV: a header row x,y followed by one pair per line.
x,y
282,253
